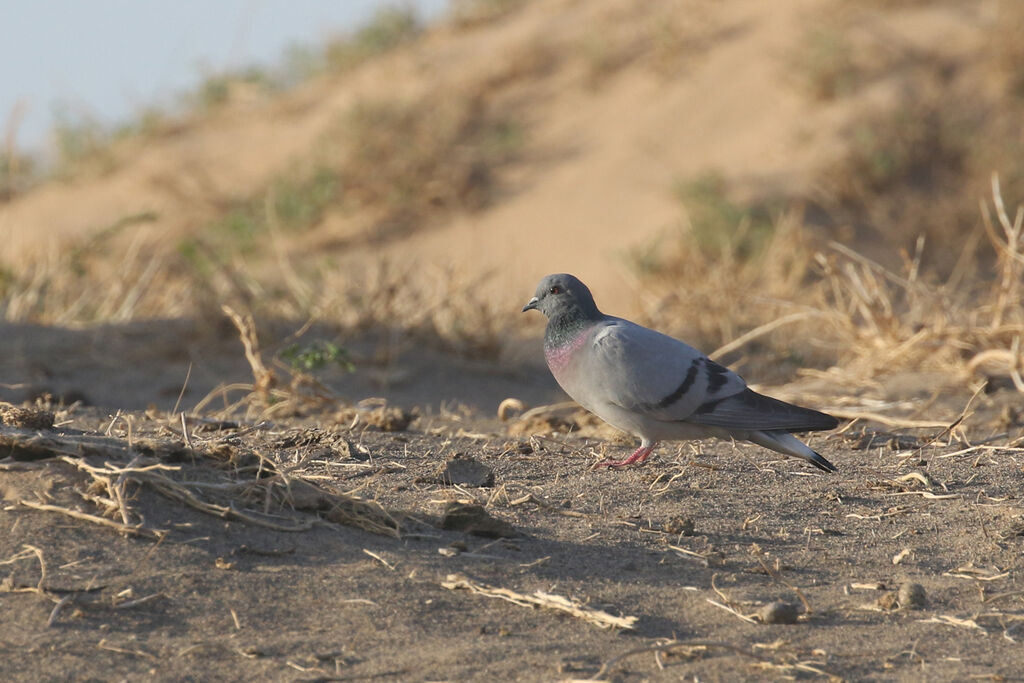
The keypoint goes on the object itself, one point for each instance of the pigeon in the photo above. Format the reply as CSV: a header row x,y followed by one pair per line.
x,y
655,386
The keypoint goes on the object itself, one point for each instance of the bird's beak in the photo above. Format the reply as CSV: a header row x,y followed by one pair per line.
x,y
531,305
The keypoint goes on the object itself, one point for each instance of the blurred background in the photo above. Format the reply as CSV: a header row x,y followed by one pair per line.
x,y
812,189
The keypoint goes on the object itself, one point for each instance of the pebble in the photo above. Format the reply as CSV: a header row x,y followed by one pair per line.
x,y
911,596
778,613
467,472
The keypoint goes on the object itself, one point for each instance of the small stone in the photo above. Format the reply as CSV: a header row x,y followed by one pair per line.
x,y
778,613
911,596
474,519
467,472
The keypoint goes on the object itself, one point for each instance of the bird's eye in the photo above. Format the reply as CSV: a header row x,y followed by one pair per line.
x,y
555,290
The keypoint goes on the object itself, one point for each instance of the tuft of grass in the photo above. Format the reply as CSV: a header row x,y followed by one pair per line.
x,y
389,28
17,173
915,164
473,13
218,89
295,201
826,62
711,292
316,356
720,226
412,161
438,306
914,170
82,144
912,145
604,55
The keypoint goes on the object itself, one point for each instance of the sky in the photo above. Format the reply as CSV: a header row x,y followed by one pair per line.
x,y
111,59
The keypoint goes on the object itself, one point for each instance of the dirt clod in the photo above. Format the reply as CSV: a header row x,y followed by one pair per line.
x,y
25,418
911,596
475,520
377,415
464,471
778,612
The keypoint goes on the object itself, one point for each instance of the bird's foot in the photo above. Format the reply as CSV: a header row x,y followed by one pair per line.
x,y
639,455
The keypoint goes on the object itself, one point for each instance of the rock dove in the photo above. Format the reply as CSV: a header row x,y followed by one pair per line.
x,y
656,387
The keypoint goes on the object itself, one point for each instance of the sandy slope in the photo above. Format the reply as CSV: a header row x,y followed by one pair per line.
x,y
694,86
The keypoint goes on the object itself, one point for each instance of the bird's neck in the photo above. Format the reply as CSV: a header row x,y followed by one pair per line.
x,y
565,330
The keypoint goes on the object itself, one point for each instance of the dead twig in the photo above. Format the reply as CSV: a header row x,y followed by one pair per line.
x,y
670,646
540,599
133,530
727,603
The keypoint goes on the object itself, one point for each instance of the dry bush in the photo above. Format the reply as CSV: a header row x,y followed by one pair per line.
x,y
698,281
908,172
441,308
78,285
918,157
388,29
402,164
17,174
467,14
899,320
852,315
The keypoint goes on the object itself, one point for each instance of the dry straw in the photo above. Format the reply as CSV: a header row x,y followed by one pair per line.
x,y
113,466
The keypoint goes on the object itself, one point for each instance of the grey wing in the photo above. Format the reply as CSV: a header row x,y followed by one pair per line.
x,y
651,373
750,410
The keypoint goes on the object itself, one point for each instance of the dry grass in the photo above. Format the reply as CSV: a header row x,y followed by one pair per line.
x,y
409,163
892,319
858,318
215,475
392,167
396,166
559,603
716,303
930,128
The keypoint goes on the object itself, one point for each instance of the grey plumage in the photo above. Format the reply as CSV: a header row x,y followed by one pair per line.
x,y
657,387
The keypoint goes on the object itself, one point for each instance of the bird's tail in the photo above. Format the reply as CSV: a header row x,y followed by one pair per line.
x,y
784,442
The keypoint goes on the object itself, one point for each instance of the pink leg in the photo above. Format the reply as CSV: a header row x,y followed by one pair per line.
x,y
639,455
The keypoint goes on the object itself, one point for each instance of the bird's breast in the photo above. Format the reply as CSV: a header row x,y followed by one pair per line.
x,y
563,357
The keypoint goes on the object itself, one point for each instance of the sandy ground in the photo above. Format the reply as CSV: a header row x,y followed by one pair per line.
x,y
693,545
904,565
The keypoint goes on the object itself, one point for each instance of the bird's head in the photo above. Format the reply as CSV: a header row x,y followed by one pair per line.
x,y
563,294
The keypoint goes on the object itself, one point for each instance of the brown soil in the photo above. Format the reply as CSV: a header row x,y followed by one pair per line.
x,y
222,598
